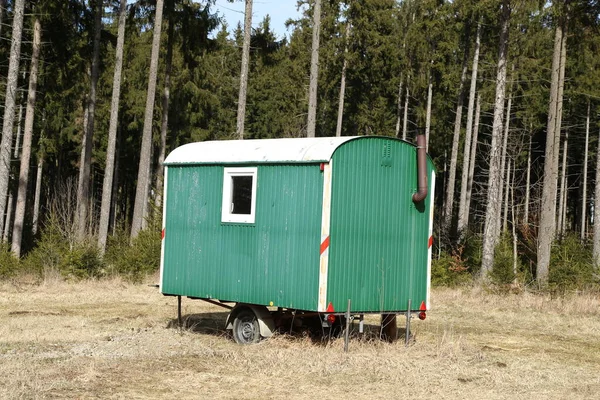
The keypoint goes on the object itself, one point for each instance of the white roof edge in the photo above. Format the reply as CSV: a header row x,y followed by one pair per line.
x,y
300,150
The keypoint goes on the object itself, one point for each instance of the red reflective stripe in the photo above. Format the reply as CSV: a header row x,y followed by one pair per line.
x,y
430,242
324,245
162,234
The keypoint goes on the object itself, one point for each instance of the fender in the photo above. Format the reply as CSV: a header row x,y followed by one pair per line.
x,y
263,315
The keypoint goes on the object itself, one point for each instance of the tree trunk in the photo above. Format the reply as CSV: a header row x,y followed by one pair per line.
x,y
9,211
2,9
507,187
596,250
562,190
83,186
528,179
115,186
548,207
449,208
513,227
18,135
428,112
165,109
585,169
9,104
398,107
10,204
405,121
241,113
107,184
38,191
141,193
338,128
463,212
490,235
504,154
27,138
472,159
314,71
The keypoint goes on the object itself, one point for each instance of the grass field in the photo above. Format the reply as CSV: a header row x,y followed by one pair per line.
x,y
111,339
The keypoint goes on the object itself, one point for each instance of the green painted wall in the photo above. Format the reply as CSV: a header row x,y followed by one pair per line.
x,y
276,259
379,238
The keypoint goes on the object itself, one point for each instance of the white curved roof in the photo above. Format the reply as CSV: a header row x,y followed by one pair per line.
x,y
300,150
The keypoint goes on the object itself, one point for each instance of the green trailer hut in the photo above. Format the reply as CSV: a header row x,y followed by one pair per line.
x,y
301,224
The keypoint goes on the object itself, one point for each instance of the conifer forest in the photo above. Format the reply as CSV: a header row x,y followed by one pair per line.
x,y
95,93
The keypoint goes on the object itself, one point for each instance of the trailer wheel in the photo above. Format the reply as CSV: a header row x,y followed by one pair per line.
x,y
246,329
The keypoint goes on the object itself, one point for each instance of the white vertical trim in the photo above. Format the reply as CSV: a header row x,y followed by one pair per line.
x,y
430,248
164,223
325,221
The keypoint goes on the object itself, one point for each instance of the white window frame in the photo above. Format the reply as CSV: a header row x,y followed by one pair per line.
x,y
226,214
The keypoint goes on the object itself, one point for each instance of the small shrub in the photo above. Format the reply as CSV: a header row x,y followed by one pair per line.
x,y
450,270
55,252
139,259
503,272
472,246
571,265
9,265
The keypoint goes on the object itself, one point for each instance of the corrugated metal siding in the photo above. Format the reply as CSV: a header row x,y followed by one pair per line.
x,y
379,239
275,259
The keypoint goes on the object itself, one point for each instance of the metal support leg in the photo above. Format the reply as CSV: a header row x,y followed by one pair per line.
x,y
361,323
179,311
347,333
408,322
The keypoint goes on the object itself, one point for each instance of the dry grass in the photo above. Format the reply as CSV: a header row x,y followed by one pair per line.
x,y
110,339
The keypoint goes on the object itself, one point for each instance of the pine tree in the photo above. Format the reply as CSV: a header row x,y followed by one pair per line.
x,y
27,139
314,71
241,115
143,181
9,104
83,187
491,230
109,168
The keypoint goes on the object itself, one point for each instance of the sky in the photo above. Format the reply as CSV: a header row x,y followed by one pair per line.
x,y
279,11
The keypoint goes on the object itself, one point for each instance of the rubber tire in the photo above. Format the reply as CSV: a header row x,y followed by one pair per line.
x,y
246,329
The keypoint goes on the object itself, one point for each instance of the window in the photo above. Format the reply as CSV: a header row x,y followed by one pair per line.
x,y
239,195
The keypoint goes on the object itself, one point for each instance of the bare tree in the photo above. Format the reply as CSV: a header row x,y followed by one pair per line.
x,y
38,191
2,8
428,111
562,188
165,107
463,213
398,106
548,208
596,250
338,128
9,104
405,121
584,178
83,186
507,188
504,155
314,71
473,156
27,139
141,194
491,230
107,184
528,179
241,113
449,208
